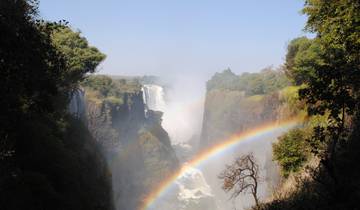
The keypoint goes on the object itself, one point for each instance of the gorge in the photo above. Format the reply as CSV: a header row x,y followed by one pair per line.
x,y
128,117
78,131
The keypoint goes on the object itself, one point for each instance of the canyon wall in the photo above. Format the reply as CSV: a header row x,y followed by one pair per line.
x,y
137,148
235,104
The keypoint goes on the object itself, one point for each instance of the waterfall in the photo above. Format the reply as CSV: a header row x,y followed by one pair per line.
x,y
77,103
154,97
190,191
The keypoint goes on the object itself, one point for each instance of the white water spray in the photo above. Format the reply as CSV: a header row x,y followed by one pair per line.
x,y
154,97
191,191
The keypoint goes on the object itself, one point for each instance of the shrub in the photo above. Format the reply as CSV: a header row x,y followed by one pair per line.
x,y
291,151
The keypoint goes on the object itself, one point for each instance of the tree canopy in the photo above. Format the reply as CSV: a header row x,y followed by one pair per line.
x,y
302,55
333,87
267,81
291,151
328,66
48,159
81,58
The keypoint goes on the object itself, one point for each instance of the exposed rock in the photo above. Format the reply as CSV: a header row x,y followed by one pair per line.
x,y
138,149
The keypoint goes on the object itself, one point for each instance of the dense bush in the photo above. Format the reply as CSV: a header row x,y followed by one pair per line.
x,y
302,55
105,88
318,191
291,151
103,84
267,81
329,67
48,160
81,58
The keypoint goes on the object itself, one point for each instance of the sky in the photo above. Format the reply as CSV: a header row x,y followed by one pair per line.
x,y
182,38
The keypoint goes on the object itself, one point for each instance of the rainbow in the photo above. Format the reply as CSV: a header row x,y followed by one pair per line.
x,y
207,154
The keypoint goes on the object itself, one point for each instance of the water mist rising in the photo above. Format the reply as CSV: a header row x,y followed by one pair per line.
x,y
183,112
182,119
182,106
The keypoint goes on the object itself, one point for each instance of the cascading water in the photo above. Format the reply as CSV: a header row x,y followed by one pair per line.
x,y
77,103
192,191
154,97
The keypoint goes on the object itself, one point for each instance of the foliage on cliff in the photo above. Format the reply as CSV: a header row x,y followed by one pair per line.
x,y
267,81
48,160
311,189
236,103
81,58
114,109
139,150
328,65
115,91
302,55
291,151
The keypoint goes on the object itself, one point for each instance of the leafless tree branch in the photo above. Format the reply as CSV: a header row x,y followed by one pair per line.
x,y
241,176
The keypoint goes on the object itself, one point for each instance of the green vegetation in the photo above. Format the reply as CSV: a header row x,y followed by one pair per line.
x,y
302,55
289,97
267,81
48,159
314,193
81,58
103,84
333,87
323,154
291,151
101,88
327,68
236,103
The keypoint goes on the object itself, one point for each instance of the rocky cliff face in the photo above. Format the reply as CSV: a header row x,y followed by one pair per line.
x,y
234,104
229,112
115,124
138,149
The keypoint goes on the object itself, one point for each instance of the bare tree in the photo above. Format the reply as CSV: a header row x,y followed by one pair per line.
x,y
241,176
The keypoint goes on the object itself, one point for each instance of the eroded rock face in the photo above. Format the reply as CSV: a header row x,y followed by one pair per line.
x,y
228,112
232,107
138,149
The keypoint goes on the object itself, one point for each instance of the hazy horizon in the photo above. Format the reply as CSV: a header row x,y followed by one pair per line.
x,y
175,38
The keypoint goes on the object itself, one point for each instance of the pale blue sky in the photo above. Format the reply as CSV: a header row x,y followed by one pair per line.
x,y
183,37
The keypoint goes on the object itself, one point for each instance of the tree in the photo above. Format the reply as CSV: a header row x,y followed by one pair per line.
x,y
268,80
241,176
333,87
101,83
81,58
291,151
48,159
222,80
30,68
302,54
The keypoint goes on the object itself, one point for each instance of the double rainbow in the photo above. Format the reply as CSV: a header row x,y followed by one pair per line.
x,y
231,142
